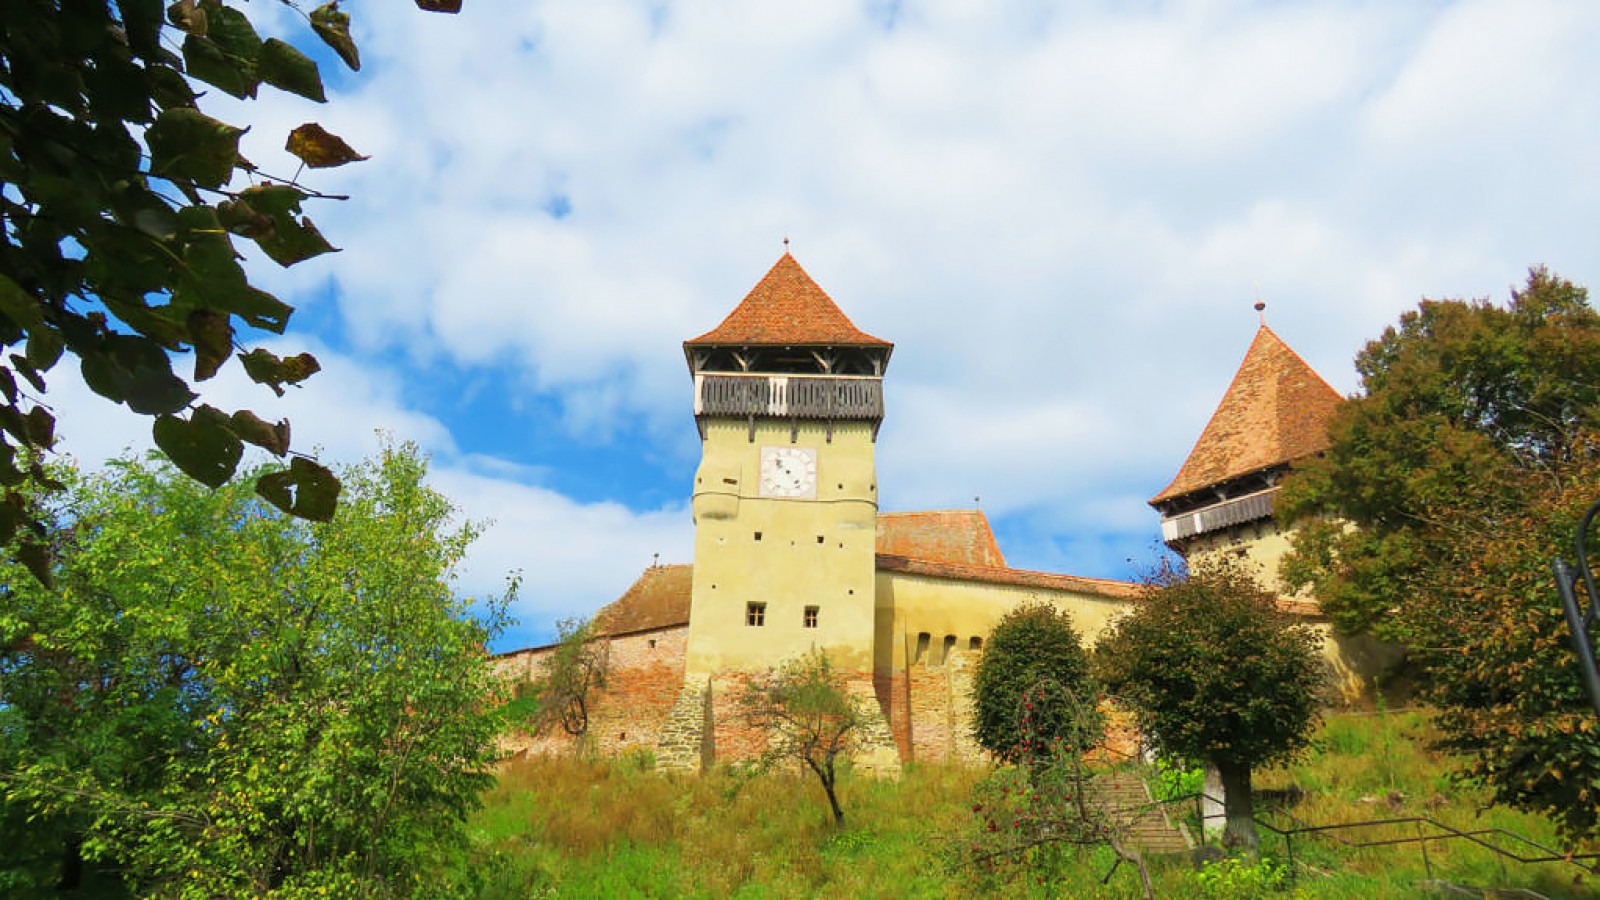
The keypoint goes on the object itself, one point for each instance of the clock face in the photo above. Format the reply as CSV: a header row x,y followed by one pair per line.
x,y
789,472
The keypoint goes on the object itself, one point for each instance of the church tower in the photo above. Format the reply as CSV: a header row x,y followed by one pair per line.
x,y
1275,412
788,397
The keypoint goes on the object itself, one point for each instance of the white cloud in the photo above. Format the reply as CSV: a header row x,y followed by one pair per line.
x,y
1060,213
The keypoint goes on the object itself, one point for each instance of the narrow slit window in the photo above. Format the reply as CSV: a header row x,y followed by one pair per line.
x,y
755,614
758,535
810,620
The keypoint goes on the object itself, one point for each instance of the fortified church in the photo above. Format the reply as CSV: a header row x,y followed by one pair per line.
x,y
792,554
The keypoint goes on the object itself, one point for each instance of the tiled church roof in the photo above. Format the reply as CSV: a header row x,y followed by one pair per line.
x,y
1276,411
659,599
787,308
1103,587
953,536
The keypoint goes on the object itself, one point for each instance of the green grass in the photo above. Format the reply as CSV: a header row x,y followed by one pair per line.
x,y
573,828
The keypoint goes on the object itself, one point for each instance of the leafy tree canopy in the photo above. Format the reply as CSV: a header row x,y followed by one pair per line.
x,y
1463,404
120,201
1435,514
1032,691
563,691
1215,672
219,700
809,716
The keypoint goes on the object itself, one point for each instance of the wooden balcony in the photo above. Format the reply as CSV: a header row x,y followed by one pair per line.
x,y
826,397
1237,511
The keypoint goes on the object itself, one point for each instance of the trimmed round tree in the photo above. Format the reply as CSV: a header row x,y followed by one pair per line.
x,y
1215,671
1033,693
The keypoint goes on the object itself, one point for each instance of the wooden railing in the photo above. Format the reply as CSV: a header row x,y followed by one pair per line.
x,y
789,396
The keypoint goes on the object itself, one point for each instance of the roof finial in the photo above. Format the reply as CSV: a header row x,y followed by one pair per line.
x,y
786,243
655,561
1261,306
977,503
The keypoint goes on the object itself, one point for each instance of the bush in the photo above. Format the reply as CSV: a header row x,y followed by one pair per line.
x,y
1032,693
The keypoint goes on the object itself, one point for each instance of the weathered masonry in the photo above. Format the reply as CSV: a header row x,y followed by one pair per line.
x,y
792,553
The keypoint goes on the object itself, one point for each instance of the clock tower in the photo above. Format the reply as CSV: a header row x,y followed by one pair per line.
x,y
788,397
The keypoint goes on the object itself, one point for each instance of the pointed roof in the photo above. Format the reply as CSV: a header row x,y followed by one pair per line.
x,y
659,599
950,536
1276,411
787,308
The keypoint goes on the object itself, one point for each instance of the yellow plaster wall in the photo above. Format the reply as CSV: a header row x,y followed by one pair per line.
x,y
911,605
1263,544
817,552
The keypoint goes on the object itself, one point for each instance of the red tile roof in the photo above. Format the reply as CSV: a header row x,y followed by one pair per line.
x,y
1276,411
1104,587
954,536
787,308
659,599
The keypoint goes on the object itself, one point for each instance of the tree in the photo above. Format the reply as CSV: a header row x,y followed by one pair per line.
x,y
1467,410
119,204
1215,672
579,665
809,718
1034,649
1507,685
1432,520
219,700
1023,813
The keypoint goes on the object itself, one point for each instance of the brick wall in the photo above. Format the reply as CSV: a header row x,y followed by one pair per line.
x,y
646,676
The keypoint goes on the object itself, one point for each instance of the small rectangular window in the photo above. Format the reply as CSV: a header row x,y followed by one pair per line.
x,y
811,616
755,614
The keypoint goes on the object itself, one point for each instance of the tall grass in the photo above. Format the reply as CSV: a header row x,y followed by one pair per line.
x,y
564,827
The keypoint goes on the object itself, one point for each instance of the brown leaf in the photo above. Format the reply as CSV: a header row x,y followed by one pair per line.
x,y
272,437
320,149
212,334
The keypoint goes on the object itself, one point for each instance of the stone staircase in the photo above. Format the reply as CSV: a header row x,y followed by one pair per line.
x,y
683,743
1126,799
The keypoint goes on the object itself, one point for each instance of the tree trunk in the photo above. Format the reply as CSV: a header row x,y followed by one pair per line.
x,y
1239,808
825,774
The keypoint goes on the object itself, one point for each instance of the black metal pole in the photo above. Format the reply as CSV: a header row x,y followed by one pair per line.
x,y
1578,618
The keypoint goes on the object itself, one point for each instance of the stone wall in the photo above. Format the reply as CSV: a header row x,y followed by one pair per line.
x,y
689,722
645,682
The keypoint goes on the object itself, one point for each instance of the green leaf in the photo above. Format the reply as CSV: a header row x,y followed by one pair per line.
x,y
286,68
333,27
18,305
36,557
287,240
213,279
293,242
226,54
269,436
135,370
306,489
265,367
44,347
320,149
188,145
205,60
203,446
41,427
141,22
212,336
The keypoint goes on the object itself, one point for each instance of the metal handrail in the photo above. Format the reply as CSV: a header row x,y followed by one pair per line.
x,y
1450,832
1580,620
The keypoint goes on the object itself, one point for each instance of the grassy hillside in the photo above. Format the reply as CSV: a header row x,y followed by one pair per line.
x,y
570,828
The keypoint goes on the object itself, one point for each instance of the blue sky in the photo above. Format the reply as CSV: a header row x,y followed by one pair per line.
x,y
1061,214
